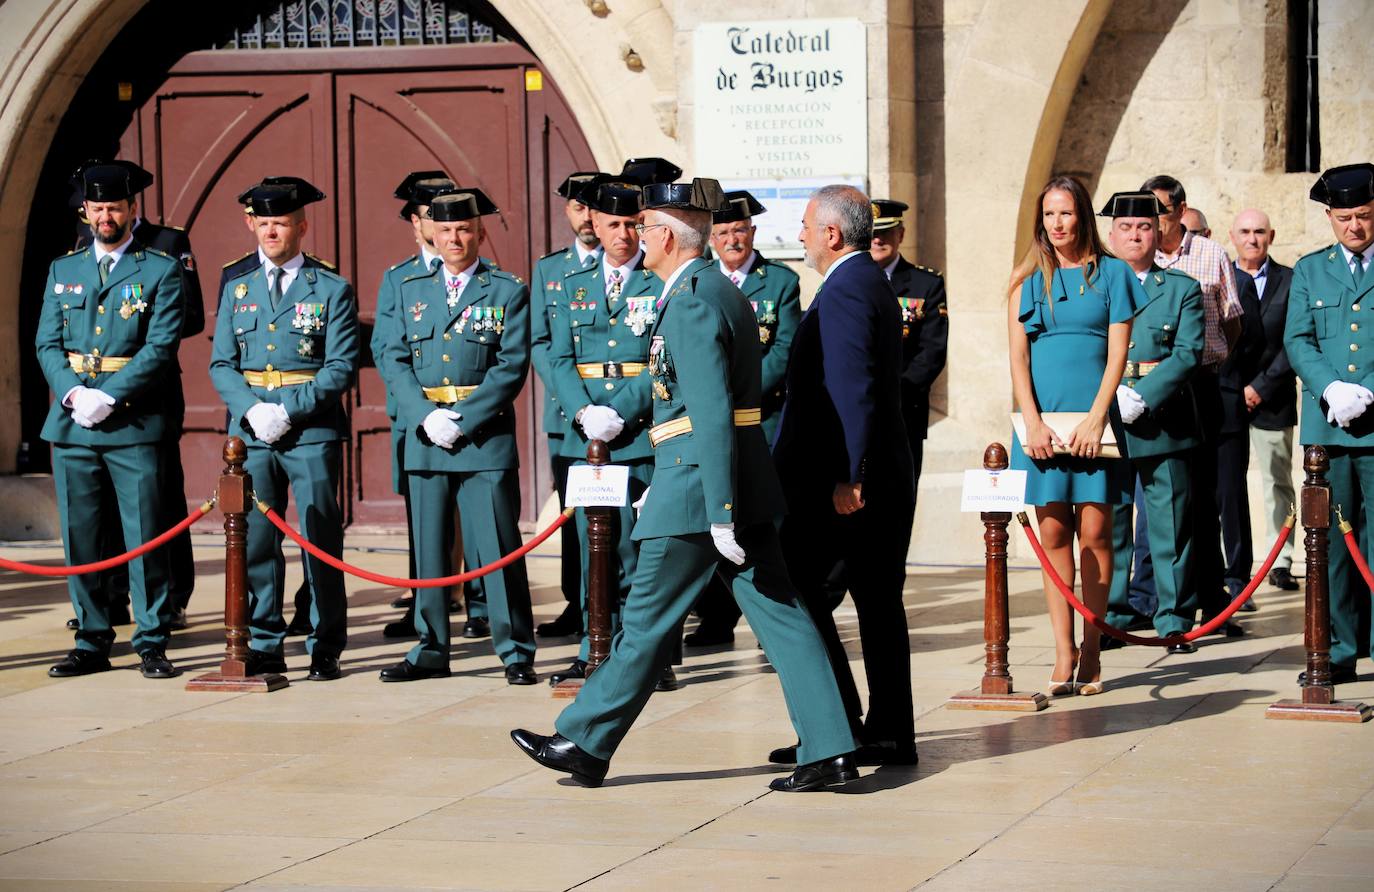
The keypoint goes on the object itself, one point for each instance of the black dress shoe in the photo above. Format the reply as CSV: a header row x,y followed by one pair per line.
x,y
79,662
404,602
578,669
568,623
401,628
710,635
784,755
299,625
259,663
1339,675
886,752
408,671
1282,578
1186,647
521,673
1249,606
476,627
324,668
1230,628
561,754
73,624
155,664
454,606
833,772
667,681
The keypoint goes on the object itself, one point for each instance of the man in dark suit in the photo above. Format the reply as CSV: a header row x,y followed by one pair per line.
x,y
1271,396
846,469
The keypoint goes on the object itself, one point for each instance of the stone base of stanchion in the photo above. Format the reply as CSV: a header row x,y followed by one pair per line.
x,y
219,681
567,690
1297,710
1013,702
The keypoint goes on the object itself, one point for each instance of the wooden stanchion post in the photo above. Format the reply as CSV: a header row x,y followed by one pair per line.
x,y
1318,701
600,581
235,502
996,691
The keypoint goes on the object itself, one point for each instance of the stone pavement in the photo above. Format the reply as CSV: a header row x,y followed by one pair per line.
x,y
1170,779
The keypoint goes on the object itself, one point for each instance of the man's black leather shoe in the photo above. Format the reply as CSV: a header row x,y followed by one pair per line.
x,y
561,754
79,662
1339,675
73,624
259,663
401,628
324,668
299,625
710,635
408,671
784,755
1282,578
476,627
521,673
1187,647
1230,628
568,623
886,753
667,681
833,772
578,669
404,602
155,664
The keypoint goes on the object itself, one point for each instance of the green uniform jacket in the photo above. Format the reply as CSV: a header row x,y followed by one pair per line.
x,y
546,296
1330,337
775,293
592,328
705,362
1169,330
137,314
482,341
313,329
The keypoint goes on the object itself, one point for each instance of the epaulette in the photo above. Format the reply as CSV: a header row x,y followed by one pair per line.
x,y
409,260
238,260
497,271
324,263
933,272
556,253
158,253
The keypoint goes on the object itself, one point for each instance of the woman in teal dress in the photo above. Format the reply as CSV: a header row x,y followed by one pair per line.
x,y
1069,327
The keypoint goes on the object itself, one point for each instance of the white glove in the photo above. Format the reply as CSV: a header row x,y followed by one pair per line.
x,y
441,426
638,504
268,422
82,420
602,423
1346,402
94,405
1131,404
723,535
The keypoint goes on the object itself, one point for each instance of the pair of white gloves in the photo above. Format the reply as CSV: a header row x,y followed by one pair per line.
x,y
441,426
269,421
1129,403
601,423
1345,402
722,534
89,405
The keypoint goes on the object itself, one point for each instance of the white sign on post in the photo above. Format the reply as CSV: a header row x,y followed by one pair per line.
x,y
993,491
781,107
597,486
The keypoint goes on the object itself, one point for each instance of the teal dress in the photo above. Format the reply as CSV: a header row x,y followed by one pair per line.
x,y
1068,355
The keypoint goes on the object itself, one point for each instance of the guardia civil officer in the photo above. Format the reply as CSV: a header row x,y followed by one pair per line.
x,y
712,508
107,339
1160,416
546,296
286,350
774,292
1328,338
459,351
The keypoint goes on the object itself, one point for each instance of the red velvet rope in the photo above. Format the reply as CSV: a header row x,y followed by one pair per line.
x,y
398,582
1360,563
1207,628
39,570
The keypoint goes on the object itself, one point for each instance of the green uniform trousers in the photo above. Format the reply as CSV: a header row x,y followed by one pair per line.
x,y
1352,488
626,552
81,475
1168,513
670,575
488,508
311,470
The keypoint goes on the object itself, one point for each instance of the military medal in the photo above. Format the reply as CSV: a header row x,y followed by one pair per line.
x,y
765,334
416,309
306,347
240,291
661,391
58,288
462,322
307,317
126,309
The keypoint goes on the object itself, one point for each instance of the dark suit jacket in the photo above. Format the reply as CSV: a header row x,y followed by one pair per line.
x,y
842,421
1275,379
1243,362
174,243
925,338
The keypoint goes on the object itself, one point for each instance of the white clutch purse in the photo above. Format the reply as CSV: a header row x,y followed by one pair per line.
x,y
1063,424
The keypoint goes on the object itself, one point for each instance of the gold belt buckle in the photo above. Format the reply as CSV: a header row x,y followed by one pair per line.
x,y
90,364
612,370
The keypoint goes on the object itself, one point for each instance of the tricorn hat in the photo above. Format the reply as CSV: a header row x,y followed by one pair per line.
x,y
419,187
1133,204
887,213
617,198
110,180
740,205
1348,186
279,196
575,182
461,204
702,194
646,171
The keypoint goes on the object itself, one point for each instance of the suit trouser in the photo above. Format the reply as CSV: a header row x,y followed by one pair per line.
x,y
569,538
872,543
1233,502
626,551
668,579
488,510
1208,568
1352,488
82,475
311,471
1166,484
1274,449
